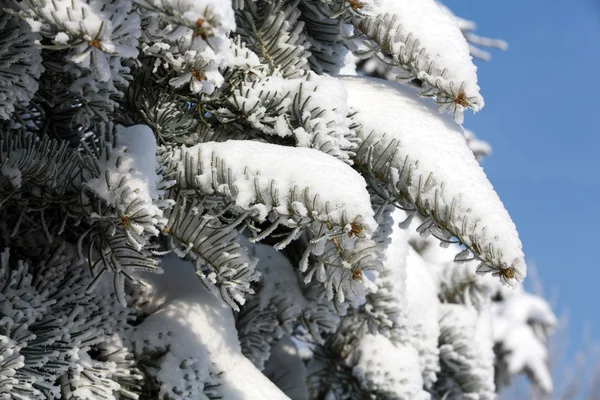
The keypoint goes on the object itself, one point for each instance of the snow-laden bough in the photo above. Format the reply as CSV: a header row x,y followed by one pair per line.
x,y
421,160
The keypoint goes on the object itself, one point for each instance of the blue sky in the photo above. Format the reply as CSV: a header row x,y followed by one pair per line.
x,y
542,119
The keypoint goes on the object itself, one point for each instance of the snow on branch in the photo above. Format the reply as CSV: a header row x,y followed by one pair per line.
x,y
475,41
129,183
93,31
311,109
522,324
195,331
466,355
53,334
424,40
221,262
303,190
421,160
191,37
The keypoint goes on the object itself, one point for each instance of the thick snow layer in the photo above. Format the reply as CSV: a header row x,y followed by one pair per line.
x,y
514,329
196,325
423,314
390,368
389,303
433,166
428,41
129,182
261,177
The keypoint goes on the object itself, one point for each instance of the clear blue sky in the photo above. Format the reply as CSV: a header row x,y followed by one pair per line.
x,y
542,118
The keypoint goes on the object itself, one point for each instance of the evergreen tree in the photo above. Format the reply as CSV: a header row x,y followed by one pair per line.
x,y
201,199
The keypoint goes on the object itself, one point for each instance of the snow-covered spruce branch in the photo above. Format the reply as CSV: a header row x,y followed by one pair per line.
x,y
191,39
114,194
195,331
424,40
55,337
465,354
27,161
310,110
409,155
281,204
334,211
475,41
196,230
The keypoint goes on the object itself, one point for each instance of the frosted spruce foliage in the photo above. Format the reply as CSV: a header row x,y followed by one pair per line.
x,y
45,163
285,356
466,355
53,333
131,188
423,312
275,33
479,147
327,50
191,38
311,109
92,31
273,312
333,208
475,41
421,159
98,37
522,324
381,366
266,205
190,324
129,181
425,40
20,63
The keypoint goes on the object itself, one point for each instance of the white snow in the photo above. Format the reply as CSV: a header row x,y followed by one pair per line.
x,y
197,325
515,319
467,27
129,182
391,368
423,314
479,147
430,38
335,192
278,278
97,30
395,119
467,351
193,40
313,109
